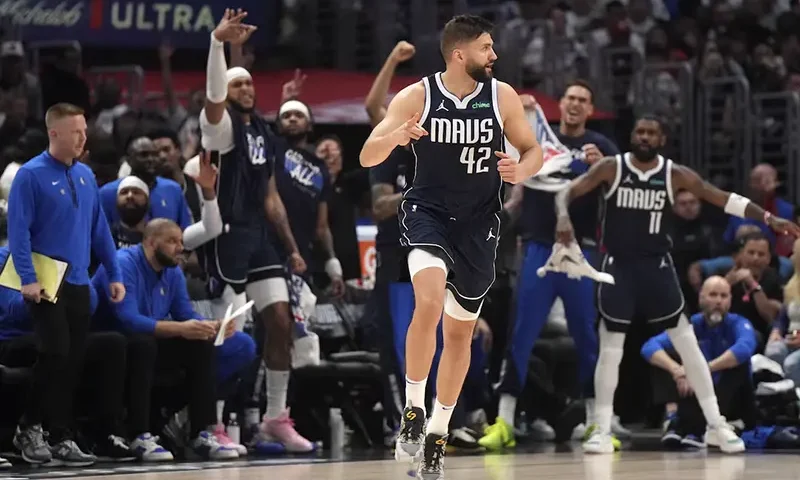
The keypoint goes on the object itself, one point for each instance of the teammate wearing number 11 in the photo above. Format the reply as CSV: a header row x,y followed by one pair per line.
x,y
456,121
640,187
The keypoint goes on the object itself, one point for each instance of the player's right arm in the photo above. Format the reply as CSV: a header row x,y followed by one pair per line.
x,y
603,171
398,127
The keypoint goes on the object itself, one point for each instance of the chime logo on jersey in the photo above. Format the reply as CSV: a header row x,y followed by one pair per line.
x,y
641,199
460,131
302,171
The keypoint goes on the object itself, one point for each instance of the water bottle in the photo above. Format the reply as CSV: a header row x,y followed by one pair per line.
x,y
233,430
336,423
252,419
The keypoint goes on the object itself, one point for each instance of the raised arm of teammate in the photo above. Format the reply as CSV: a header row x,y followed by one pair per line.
x,y
398,127
603,171
375,103
684,178
521,136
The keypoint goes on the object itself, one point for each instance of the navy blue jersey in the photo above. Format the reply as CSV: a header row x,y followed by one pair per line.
x,y
456,168
397,171
303,183
637,219
538,219
245,171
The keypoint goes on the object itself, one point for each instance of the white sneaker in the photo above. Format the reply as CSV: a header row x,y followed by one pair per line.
x,y
207,446
724,438
599,442
618,430
147,449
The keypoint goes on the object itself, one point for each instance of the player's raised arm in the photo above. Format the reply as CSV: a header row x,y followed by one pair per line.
x,y
733,203
400,126
604,171
520,134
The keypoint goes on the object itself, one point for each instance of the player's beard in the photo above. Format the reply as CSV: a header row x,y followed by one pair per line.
x,y
644,153
241,108
145,173
165,260
478,73
132,214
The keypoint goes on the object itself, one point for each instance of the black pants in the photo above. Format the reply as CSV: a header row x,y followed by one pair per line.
x,y
99,389
734,392
184,367
60,331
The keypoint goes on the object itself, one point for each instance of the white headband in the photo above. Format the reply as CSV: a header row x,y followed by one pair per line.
x,y
133,182
295,106
237,72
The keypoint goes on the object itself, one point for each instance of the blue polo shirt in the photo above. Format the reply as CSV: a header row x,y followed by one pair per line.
x,y
166,201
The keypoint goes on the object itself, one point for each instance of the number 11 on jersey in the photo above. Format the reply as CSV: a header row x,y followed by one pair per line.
x,y
655,222
473,166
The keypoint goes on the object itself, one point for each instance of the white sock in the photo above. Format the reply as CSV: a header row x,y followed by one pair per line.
x,y
415,393
696,367
606,376
507,408
277,386
590,415
439,423
220,411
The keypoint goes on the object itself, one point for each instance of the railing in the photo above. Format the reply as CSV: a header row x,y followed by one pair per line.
x,y
776,123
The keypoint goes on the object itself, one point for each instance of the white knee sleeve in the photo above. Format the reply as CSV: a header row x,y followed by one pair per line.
x,y
219,306
454,309
419,259
268,292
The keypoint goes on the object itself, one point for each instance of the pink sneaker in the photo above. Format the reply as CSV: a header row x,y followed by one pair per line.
x,y
225,440
281,429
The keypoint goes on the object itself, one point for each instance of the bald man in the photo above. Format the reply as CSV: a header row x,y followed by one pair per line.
x,y
727,341
166,196
763,184
157,291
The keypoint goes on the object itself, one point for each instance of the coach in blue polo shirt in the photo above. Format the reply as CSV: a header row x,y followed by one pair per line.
x,y
157,312
54,210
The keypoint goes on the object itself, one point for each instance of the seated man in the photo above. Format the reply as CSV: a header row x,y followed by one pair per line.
x,y
727,341
158,317
100,390
133,203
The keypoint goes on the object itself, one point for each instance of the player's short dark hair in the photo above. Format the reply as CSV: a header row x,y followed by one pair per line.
x,y
579,82
463,28
652,117
164,132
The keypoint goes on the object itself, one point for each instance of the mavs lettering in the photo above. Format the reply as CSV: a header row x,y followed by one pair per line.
x,y
466,131
641,199
255,149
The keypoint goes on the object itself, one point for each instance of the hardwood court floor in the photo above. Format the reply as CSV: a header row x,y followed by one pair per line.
x,y
549,465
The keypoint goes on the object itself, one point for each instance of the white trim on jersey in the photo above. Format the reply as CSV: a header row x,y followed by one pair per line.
x,y
404,233
617,178
460,104
494,270
496,105
426,109
670,193
643,176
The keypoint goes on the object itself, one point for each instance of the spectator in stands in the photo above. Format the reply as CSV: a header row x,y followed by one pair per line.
x,y
16,81
184,120
784,340
108,105
12,158
157,291
304,185
61,79
755,286
554,49
727,341
766,71
102,377
615,31
15,120
763,186
166,196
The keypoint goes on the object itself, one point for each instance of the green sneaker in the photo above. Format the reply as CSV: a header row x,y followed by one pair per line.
x,y
498,436
591,428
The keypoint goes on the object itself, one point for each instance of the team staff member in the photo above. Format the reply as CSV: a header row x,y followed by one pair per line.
x,y
157,291
54,210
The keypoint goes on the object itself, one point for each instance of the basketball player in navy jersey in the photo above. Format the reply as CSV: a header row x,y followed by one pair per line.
x,y
639,192
455,121
242,259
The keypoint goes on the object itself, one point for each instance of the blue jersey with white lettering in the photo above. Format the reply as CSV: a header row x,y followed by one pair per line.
x,y
538,219
638,209
456,166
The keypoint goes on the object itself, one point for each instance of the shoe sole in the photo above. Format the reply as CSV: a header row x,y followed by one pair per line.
x,y
408,452
116,460
430,476
31,460
66,463
598,451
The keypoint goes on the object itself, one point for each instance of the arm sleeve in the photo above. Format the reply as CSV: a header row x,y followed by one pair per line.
x,y
217,137
745,345
103,243
127,310
21,212
659,342
208,228
181,307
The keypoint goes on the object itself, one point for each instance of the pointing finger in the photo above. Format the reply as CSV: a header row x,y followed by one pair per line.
x,y
502,154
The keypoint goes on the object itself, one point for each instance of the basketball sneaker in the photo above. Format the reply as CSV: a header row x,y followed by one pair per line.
x,y
432,465
724,437
207,446
281,429
412,435
587,434
599,442
224,439
147,449
498,436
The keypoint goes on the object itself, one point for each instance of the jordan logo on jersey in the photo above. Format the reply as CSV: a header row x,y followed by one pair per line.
x,y
491,235
641,199
442,107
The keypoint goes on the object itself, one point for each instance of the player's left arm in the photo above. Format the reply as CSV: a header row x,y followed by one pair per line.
x,y
276,212
733,203
520,134
323,233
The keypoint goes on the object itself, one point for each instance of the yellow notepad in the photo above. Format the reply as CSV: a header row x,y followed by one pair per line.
x,y
49,272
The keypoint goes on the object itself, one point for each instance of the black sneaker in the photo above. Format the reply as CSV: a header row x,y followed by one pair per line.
x,y
113,449
32,445
412,434
432,465
464,440
671,439
67,453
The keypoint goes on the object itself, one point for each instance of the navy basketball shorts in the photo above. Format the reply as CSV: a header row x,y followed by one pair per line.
x,y
243,254
467,247
646,289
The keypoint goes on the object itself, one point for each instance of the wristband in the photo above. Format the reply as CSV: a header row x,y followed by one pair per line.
x,y
736,205
333,267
